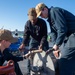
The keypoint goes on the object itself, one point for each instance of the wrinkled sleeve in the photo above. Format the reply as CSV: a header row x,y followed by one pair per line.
x,y
9,56
60,24
53,36
26,34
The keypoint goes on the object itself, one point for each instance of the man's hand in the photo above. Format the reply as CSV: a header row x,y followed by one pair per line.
x,y
40,47
28,54
55,47
22,46
56,53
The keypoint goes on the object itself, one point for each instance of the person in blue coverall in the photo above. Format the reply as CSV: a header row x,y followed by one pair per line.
x,y
6,39
62,23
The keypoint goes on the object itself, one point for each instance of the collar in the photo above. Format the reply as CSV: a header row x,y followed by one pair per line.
x,y
49,15
49,9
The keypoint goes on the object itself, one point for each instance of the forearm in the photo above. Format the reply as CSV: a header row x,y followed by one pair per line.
x,y
25,40
60,39
43,40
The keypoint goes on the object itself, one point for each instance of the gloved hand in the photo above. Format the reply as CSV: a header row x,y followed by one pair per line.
x,y
40,47
28,54
22,47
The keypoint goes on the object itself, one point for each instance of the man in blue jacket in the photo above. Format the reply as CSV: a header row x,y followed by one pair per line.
x,y
62,24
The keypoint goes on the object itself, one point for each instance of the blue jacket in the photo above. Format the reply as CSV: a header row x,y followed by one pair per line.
x,y
62,24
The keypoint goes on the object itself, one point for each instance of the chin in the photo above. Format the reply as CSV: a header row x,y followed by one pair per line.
x,y
45,17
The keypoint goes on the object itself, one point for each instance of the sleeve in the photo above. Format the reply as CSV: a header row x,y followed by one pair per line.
x,y
26,33
9,56
53,35
60,24
44,33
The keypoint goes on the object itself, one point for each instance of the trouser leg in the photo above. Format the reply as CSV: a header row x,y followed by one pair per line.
x,y
67,66
17,69
67,60
28,67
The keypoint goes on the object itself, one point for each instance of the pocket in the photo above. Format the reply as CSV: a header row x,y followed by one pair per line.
x,y
70,41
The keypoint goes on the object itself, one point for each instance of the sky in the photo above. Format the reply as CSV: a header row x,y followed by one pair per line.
x,y
13,13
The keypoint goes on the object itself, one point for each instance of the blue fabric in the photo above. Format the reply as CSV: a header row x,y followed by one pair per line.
x,y
68,50
67,60
62,24
15,46
67,66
